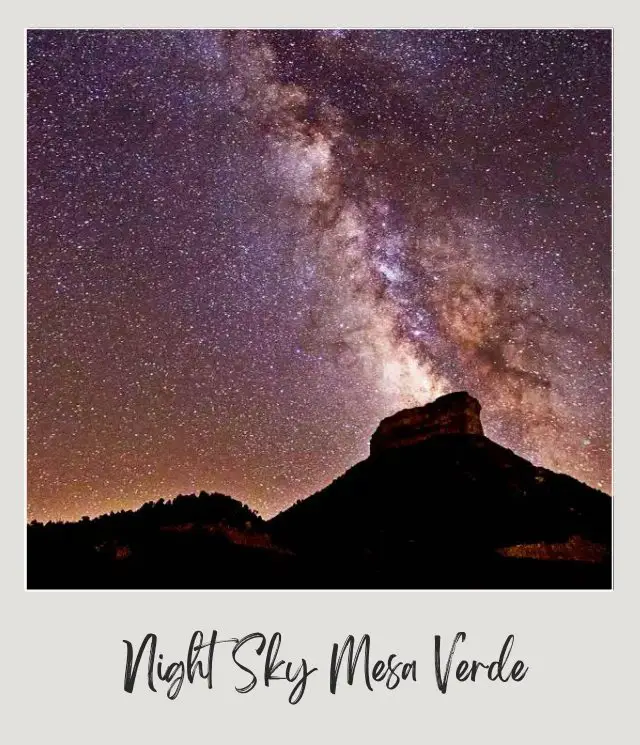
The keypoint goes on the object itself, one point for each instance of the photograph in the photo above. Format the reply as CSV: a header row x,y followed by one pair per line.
x,y
319,309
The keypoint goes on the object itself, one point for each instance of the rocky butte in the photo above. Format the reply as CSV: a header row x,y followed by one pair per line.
x,y
436,505
456,413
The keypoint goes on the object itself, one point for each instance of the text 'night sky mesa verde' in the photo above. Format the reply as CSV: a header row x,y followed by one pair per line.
x,y
247,248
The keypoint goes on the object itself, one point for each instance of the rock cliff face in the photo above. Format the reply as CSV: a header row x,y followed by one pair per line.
x,y
455,413
457,511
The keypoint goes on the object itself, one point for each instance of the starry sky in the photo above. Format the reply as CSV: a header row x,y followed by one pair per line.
x,y
245,248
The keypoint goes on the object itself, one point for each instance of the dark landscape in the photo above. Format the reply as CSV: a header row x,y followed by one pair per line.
x,y
436,505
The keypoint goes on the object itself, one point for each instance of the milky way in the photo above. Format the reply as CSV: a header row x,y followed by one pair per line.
x,y
246,248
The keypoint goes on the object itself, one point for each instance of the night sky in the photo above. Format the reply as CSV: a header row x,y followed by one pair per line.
x,y
246,248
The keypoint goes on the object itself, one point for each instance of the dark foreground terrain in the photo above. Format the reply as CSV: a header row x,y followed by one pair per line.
x,y
436,505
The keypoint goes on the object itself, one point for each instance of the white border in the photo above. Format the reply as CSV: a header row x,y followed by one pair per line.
x,y
64,653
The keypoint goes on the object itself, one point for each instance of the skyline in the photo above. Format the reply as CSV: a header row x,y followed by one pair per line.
x,y
245,249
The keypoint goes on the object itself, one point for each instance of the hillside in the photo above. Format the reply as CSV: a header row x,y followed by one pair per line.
x,y
435,505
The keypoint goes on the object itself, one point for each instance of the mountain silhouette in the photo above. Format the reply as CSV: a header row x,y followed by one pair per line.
x,y
436,504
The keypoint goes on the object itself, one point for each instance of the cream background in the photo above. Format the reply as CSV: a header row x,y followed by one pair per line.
x,y
63,654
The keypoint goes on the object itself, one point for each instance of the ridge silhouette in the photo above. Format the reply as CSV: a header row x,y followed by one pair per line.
x,y
436,504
